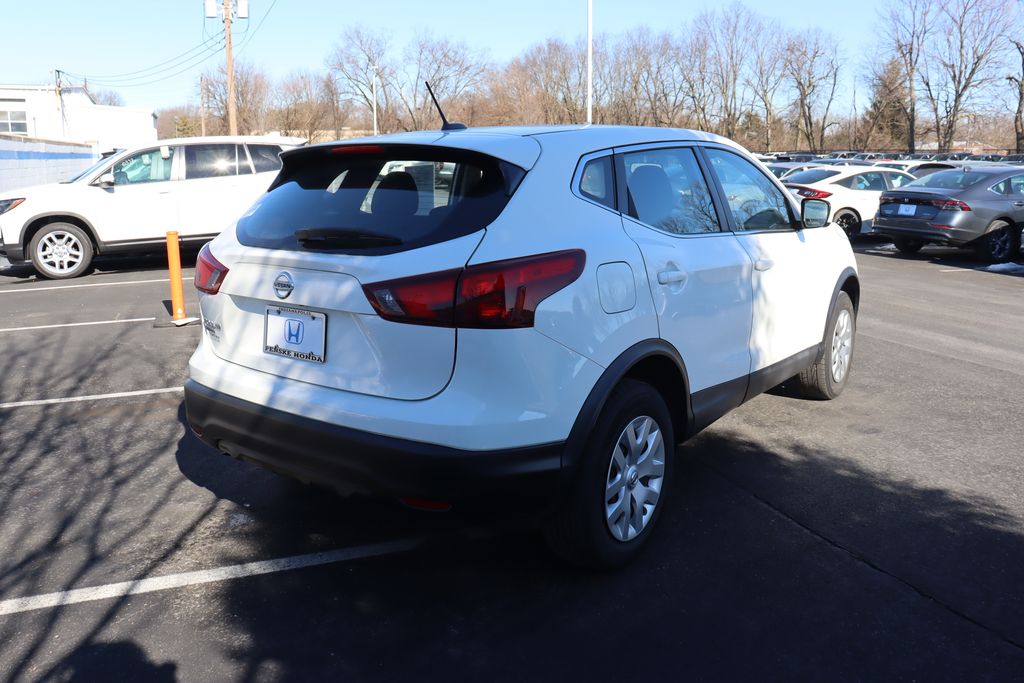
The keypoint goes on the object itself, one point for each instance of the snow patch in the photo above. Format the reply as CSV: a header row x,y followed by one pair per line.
x,y
1011,268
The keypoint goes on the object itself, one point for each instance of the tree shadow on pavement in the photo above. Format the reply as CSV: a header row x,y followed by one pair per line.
x,y
768,564
117,661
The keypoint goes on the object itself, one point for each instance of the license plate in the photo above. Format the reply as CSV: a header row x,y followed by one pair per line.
x,y
906,209
295,333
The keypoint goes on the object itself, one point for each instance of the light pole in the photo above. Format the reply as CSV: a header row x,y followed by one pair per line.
x,y
373,87
590,61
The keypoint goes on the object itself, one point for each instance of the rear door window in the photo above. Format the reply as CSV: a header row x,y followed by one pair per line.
x,y
667,190
372,199
212,161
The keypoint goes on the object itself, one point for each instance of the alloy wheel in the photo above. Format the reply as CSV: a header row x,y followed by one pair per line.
x,y
59,252
635,477
842,346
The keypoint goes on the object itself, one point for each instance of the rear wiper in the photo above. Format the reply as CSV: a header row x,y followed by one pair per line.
x,y
339,238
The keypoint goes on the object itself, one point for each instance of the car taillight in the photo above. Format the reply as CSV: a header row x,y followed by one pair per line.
x,y
210,272
950,205
501,294
812,194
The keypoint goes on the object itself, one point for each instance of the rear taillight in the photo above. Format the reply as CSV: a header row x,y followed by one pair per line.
x,y
501,294
210,272
950,205
812,194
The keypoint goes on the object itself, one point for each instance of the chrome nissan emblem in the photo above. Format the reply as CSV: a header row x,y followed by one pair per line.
x,y
283,285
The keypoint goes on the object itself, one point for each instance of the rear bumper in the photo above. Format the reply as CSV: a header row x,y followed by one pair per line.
x,y
953,236
354,461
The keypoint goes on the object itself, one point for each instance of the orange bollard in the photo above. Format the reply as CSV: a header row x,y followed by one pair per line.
x,y
174,265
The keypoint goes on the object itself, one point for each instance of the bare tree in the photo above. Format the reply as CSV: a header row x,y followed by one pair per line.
x,y
767,74
452,70
110,98
252,98
358,65
965,52
729,33
693,51
303,105
906,25
812,65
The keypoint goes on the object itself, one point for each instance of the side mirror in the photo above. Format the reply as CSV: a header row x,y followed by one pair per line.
x,y
105,180
814,213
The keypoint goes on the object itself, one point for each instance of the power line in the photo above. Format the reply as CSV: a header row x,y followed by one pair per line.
x,y
194,62
169,64
258,27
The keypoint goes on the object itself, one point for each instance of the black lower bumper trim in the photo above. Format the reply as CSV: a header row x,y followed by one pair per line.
x,y
353,461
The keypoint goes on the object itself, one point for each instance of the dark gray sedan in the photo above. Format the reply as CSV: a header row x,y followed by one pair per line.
x,y
980,207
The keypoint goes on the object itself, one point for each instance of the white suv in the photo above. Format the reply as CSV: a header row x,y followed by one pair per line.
x,y
129,201
541,328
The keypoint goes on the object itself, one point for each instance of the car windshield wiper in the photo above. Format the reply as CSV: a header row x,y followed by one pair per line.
x,y
339,238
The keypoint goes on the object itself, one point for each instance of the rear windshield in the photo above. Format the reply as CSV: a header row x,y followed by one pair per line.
x,y
373,199
950,180
812,175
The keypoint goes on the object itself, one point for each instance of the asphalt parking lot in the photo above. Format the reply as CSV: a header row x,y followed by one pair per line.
x,y
879,536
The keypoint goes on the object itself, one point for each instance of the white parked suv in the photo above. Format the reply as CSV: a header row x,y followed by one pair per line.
x,y
541,328
129,201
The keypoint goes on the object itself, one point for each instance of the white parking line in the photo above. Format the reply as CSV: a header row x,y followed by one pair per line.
x,y
238,571
91,284
97,322
94,397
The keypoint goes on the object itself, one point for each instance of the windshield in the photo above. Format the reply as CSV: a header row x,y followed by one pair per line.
x,y
812,175
950,180
81,174
375,199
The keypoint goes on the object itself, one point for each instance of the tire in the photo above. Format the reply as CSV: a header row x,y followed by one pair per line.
x,y
907,245
827,376
849,222
60,251
1000,244
590,531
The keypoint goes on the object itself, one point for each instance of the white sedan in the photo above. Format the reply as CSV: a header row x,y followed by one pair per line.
x,y
852,191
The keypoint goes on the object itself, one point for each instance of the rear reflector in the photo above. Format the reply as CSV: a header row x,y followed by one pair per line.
x,y
210,272
497,295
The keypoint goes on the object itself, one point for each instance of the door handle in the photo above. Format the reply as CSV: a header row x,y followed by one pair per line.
x,y
1018,203
763,264
667,277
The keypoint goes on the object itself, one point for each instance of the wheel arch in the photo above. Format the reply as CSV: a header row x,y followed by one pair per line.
x,y
848,282
654,361
37,223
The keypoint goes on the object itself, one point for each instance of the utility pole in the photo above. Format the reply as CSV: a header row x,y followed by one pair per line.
x,y
232,113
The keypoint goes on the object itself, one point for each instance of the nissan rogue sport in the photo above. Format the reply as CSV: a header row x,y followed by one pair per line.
x,y
539,330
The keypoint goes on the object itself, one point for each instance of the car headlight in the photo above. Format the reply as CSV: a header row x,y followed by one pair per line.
x,y
8,204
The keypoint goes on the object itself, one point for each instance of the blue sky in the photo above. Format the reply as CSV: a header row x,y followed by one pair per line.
x,y
113,37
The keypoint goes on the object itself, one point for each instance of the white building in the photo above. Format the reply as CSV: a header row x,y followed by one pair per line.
x,y
70,114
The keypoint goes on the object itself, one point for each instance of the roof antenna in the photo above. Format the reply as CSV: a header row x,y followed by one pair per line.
x,y
445,125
